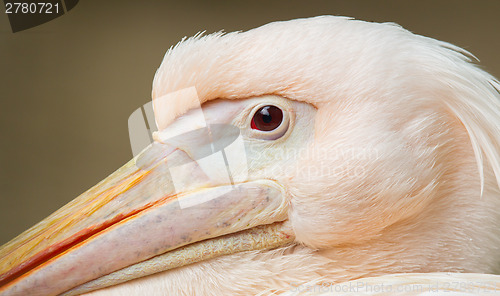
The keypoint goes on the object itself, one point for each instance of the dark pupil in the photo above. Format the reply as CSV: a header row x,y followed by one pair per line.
x,y
267,118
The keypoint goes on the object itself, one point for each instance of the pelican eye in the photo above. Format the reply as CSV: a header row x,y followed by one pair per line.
x,y
267,118
269,122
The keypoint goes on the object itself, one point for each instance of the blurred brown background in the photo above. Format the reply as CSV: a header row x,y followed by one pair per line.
x,y
68,86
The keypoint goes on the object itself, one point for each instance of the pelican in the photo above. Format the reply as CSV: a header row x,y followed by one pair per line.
x,y
315,150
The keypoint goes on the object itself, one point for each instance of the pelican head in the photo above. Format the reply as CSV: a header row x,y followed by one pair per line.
x,y
319,148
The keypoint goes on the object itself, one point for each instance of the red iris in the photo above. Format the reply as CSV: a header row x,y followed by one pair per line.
x,y
267,118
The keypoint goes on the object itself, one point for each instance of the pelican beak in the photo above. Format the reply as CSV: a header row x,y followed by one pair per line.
x,y
168,207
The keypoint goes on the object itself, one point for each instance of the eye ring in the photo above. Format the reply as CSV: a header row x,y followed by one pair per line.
x,y
269,122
